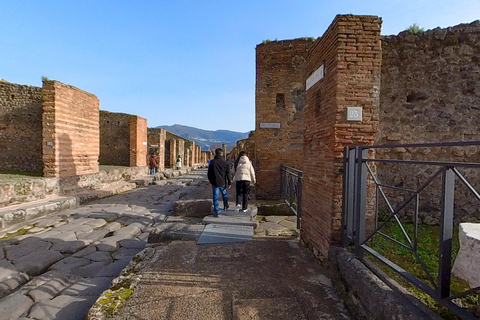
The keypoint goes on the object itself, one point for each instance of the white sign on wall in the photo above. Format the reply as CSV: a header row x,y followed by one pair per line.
x,y
315,77
270,125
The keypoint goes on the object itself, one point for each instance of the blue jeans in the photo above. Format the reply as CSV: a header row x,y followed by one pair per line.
x,y
216,191
152,171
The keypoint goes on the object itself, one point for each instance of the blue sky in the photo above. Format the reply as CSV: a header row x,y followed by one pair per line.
x,y
180,62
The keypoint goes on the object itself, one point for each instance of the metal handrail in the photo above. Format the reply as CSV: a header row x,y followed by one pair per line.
x,y
291,190
357,168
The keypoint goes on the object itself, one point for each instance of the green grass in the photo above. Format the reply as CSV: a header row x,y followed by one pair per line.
x,y
428,248
415,29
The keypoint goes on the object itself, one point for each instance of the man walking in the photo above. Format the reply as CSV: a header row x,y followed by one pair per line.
x,y
219,177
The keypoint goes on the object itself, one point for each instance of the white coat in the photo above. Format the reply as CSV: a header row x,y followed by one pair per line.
x,y
245,171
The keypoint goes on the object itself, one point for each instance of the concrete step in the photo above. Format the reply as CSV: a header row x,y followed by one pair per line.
x,y
234,218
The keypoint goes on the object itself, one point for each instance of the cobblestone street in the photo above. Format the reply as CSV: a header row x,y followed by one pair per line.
x,y
55,267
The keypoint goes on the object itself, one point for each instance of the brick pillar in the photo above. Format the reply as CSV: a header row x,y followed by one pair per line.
x,y
344,71
173,152
138,141
198,151
193,160
224,148
186,160
70,134
161,149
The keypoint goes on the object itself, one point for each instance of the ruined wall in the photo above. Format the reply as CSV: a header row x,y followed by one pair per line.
x,y
20,127
279,101
114,139
70,130
138,141
430,92
345,65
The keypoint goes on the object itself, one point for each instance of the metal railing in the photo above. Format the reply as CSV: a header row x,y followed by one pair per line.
x,y
360,175
291,190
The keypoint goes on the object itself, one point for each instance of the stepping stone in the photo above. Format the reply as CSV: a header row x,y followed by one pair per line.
x,y
222,233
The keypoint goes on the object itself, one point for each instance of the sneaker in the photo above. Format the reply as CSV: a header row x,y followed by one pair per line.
x,y
215,215
244,210
226,207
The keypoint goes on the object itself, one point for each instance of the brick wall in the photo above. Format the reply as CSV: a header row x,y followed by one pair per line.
x,y
70,130
279,101
138,141
114,138
350,52
20,127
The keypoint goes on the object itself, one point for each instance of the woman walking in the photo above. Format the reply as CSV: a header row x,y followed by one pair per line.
x,y
244,176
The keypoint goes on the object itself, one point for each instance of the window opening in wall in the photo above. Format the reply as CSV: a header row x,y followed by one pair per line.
x,y
280,101
13,96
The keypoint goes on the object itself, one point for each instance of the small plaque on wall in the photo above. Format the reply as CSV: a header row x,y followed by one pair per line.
x,y
354,113
269,125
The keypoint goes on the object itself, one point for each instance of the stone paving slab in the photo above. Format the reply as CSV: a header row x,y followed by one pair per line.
x,y
13,306
51,288
62,307
221,233
37,262
88,287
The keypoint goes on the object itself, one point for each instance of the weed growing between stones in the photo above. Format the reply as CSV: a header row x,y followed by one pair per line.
x,y
114,300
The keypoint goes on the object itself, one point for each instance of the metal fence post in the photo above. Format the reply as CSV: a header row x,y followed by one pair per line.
x,y
360,199
299,200
445,264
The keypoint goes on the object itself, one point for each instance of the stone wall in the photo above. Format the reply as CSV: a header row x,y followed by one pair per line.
x,y
279,101
114,139
20,127
430,92
345,63
30,189
70,133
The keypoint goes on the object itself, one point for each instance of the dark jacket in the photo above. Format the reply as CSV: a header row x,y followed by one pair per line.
x,y
219,172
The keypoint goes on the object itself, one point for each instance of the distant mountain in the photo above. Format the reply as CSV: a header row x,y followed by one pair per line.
x,y
206,139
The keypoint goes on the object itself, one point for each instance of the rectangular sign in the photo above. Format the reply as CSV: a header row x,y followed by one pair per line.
x,y
270,125
315,77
